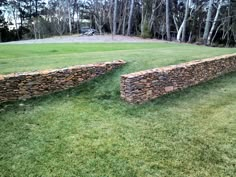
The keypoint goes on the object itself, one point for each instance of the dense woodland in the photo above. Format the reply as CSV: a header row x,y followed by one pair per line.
x,y
208,22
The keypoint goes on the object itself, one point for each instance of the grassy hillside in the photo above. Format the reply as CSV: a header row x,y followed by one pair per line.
x,y
89,131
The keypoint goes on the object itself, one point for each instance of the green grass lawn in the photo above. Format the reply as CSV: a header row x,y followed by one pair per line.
x,y
20,58
89,131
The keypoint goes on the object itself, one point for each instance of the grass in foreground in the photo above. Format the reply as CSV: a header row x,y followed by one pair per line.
x,y
89,131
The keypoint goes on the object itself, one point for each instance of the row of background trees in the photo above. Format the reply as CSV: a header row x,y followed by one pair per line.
x,y
209,22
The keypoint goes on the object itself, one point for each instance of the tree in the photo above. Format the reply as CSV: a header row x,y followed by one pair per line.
x,y
233,19
114,18
188,20
130,17
98,11
59,15
69,15
208,21
14,6
167,20
2,19
124,19
214,22
182,29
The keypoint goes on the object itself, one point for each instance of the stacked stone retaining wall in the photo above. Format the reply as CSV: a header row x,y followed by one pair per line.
x,y
19,86
146,85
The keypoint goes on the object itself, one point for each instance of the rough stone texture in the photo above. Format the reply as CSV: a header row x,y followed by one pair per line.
x,y
20,86
146,85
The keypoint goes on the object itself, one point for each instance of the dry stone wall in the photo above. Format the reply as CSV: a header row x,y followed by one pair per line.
x,y
142,86
28,85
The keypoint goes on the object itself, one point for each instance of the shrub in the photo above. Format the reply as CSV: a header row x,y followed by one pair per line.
x,y
146,32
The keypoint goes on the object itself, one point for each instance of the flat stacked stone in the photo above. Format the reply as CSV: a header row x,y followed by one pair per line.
x,y
146,85
26,85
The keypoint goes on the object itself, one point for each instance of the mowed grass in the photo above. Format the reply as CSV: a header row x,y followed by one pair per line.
x,y
21,58
89,131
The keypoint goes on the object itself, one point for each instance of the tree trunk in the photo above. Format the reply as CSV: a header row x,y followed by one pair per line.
x,y
179,33
152,18
15,20
124,18
38,28
110,15
185,20
39,34
143,19
98,24
124,25
36,7
190,37
120,20
114,18
69,16
208,20
214,23
176,24
130,17
234,36
229,27
34,25
194,28
78,17
167,21
216,33
183,25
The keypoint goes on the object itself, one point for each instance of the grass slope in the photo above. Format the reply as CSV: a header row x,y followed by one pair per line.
x,y
89,131
19,58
